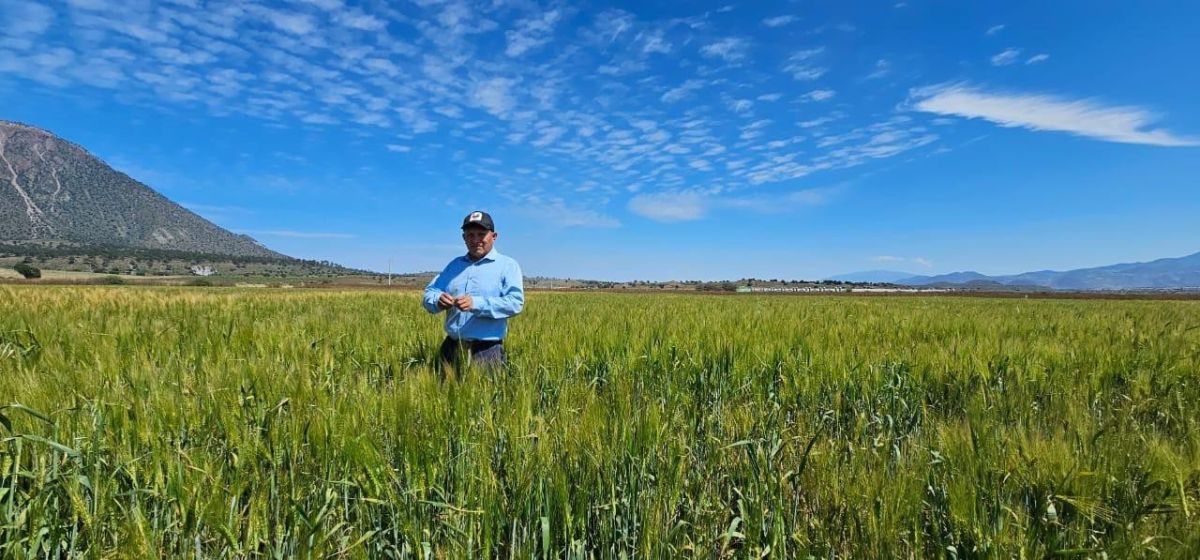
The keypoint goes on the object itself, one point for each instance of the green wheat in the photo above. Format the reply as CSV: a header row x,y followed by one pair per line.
x,y
152,422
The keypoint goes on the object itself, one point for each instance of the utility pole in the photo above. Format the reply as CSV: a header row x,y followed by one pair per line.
x,y
389,271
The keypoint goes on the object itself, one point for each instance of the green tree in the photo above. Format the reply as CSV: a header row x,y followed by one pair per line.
x,y
27,271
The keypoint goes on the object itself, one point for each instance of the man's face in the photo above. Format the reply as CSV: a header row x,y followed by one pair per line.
x,y
479,241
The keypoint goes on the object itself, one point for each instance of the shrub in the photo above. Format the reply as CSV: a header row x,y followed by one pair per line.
x,y
112,279
200,282
27,271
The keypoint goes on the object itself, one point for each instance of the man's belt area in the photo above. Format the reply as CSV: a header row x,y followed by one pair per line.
x,y
478,345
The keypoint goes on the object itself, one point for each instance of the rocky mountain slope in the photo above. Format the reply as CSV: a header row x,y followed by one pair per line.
x,y
54,192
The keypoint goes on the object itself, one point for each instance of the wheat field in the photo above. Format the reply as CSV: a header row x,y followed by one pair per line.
x,y
144,422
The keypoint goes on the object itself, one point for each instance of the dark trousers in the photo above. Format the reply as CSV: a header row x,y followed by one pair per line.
x,y
486,353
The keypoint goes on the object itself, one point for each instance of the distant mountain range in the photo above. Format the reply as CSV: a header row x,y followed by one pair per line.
x,y
55,192
880,276
1179,272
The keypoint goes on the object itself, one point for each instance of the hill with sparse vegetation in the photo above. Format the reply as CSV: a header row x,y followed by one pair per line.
x,y
54,193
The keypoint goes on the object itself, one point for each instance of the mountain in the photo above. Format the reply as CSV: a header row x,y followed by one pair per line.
x,y
952,278
1178,272
872,276
54,192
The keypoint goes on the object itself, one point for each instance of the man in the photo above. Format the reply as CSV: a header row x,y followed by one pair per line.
x,y
479,292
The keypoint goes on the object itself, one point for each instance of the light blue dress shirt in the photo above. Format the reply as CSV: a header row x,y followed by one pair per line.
x,y
495,286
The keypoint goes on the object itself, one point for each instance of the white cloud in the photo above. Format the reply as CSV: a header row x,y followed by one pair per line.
x,y
779,21
1038,58
669,207
994,29
655,43
816,122
416,120
682,91
531,33
610,25
740,105
694,205
586,108
782,202
25,19
800,67
729,49
557,212
548,136
89,4
818,95
356,19
493,96
329,5
173,55
882,68
317,118
294,23
1081,117
1006,57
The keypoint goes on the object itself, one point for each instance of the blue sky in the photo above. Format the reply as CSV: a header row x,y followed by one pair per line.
x,y
645,140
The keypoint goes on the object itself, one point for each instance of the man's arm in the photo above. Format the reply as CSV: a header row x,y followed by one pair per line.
x,y
435,293
511,299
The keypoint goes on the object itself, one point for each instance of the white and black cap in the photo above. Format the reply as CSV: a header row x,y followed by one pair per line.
x,y
479,218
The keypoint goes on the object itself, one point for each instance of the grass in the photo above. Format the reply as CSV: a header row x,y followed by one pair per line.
x,y
250,423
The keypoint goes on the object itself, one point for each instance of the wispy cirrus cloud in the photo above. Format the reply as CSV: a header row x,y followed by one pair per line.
x,y
682,206
818,95
531,33
1038,58
780,21
495,96
25,19
1081,117
681,91
801,64
882,68
615,109
1006,57
669,207
729,49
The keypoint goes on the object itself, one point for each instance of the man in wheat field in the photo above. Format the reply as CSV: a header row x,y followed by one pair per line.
x,y
478,291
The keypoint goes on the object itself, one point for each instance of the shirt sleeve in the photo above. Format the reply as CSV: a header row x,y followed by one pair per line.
x,y
434,290
511,299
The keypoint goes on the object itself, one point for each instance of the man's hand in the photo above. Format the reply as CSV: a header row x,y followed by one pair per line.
x,y
445,301
464,303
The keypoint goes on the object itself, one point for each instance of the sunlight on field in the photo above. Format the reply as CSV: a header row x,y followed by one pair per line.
x,y
82,277
249,422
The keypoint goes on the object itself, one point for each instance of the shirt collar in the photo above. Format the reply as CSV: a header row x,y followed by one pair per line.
x,y
490,256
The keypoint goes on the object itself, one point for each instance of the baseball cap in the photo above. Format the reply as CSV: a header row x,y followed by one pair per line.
x,y
479,218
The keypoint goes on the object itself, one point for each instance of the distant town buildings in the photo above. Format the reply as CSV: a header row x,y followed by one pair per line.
x,y
834,289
